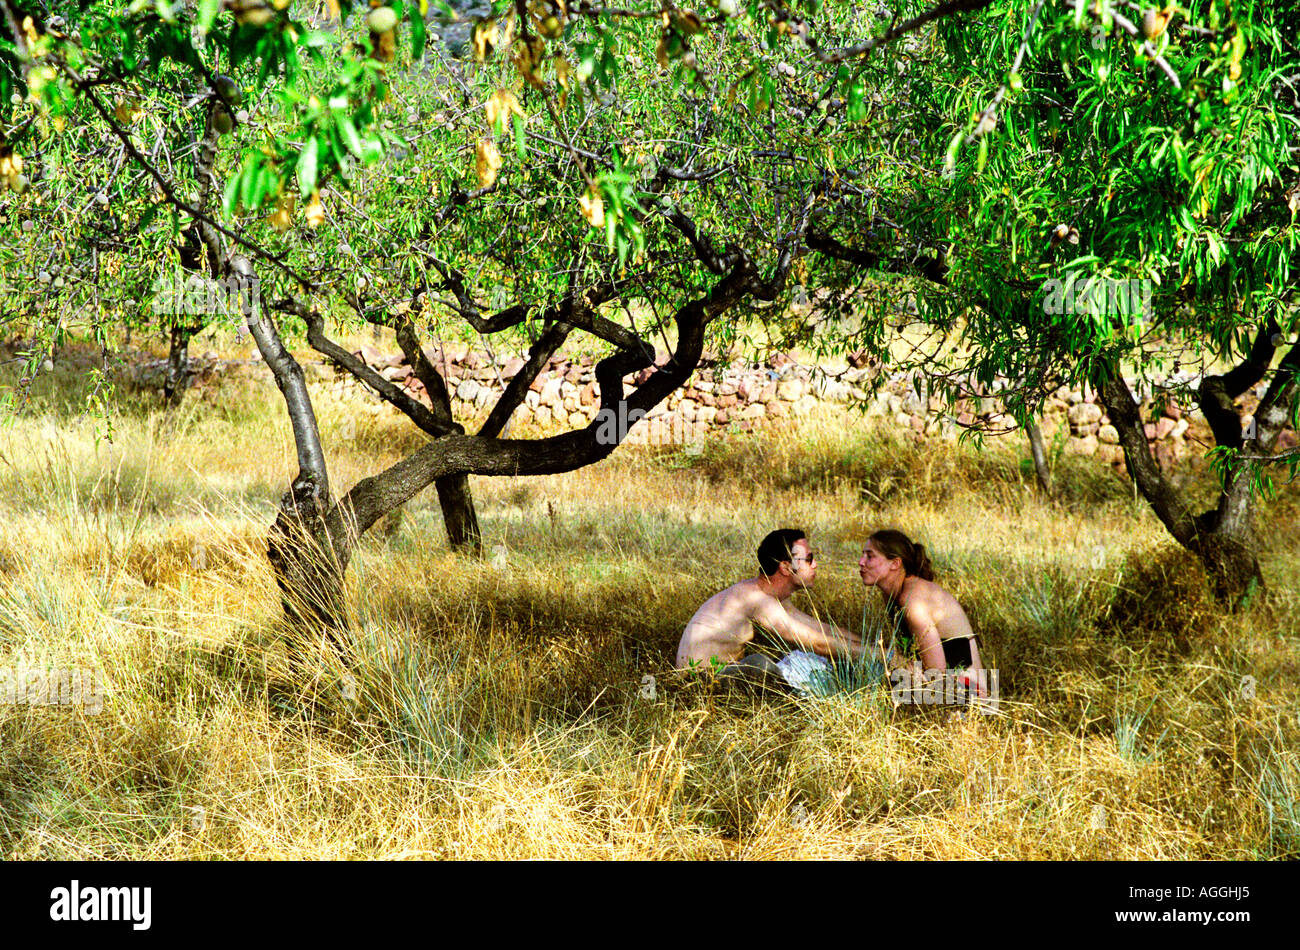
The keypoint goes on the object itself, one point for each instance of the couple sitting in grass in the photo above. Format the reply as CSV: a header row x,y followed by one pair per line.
x,y
931,631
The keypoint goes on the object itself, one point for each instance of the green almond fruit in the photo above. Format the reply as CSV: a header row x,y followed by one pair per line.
x,y
381,19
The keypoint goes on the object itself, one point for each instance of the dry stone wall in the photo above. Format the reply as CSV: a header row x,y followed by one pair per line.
x,y
741,397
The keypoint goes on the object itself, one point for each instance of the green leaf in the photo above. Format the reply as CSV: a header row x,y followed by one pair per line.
x,y
230,200
307,166
372,149
248,195
208,10
349,133
418,34
1180,156
520,147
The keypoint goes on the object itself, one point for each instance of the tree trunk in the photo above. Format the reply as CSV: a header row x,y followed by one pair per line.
x,y
178,366
309,545
458,513
1229,558
1222,538
308,563
1040,456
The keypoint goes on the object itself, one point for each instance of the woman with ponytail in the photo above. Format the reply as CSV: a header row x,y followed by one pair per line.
x,y
929,624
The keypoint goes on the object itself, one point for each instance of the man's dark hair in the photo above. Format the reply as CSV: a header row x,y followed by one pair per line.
x,y
777,547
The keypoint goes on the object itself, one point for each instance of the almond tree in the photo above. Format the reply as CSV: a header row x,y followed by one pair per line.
x,y
1110,194
577,160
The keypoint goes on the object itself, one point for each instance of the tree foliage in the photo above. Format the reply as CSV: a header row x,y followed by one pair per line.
x,y
536,169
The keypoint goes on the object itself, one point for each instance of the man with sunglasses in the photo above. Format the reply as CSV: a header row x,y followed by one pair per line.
x,y
720,631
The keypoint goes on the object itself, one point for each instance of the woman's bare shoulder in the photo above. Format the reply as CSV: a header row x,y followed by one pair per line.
x,y
929,597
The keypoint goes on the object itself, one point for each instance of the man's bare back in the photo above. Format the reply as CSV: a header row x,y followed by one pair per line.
x,y
722,626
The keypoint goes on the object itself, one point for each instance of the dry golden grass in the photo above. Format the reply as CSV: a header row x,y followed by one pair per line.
x,y
493,709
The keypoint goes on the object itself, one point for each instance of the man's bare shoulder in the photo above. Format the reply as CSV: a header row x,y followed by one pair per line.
x,y
749,593
728,600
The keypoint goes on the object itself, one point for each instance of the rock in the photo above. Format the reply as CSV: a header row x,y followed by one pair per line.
x,y
587,395
1180,429
542,415
902,420
483,396
467,390
705,415
721,418
777,409
726,402
395,373
755,410
1001,421
1084,414
767,394
1173,412
1084,446
568,389
531,399
1108,435
1164,426
836,391
1149,429
471,360
1110,454
577,420
550,394
805,405
790,389
780,361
